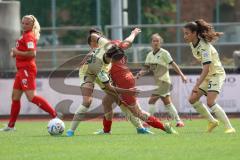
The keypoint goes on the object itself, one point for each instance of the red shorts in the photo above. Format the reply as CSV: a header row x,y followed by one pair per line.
x,y
25,79
128,100
127,81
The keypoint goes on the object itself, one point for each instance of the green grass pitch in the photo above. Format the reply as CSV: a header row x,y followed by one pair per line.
x,y
32,142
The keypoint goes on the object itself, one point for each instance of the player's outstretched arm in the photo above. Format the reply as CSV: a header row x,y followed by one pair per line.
x,y
142,72
133,34
131,91
103,77
127,42
178,70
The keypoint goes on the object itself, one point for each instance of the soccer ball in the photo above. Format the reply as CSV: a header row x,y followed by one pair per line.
x,y
55,127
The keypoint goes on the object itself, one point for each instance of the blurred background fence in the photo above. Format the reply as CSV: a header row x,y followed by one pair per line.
x,y
50,55
65,26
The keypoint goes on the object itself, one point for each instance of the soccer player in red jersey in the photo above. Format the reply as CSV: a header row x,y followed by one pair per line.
x,y
122,77
97,67
25,79
111,98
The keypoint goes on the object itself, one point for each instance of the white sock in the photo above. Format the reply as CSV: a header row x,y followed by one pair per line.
x,y
202,109
134,120
172,112
221,115
77,117
151,108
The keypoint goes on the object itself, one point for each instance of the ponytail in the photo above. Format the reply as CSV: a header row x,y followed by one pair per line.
x,y
204,30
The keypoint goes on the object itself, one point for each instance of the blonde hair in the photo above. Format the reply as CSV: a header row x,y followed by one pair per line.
x,y
36,26
157,35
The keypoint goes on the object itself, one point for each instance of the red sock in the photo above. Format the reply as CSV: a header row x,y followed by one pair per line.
x,y
44,105
15,109
107,124
154,122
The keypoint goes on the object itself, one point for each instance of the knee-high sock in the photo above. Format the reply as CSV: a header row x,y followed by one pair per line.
x,y
202,109
221,115
107,125
44,105
172,112
154,122
15,109
77,117
134,120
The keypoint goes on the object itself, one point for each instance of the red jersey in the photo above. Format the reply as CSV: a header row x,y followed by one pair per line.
x,y
122,77
119,71
119,44
26,42
119,68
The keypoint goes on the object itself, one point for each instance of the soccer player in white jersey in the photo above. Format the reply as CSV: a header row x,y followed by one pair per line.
x,y
97,66
158,61
199,34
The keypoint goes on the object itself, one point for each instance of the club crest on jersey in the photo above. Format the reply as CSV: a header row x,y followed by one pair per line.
x,y
24,82
30,45
205,54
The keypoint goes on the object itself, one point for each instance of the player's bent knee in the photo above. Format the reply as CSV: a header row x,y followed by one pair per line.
x,y
191,100
104,103
166,101
107,103
87,103
210,103
16,95
30,97
15,98
87,89
87,85
152,101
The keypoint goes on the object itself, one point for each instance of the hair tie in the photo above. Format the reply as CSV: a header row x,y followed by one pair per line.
x,y
195,23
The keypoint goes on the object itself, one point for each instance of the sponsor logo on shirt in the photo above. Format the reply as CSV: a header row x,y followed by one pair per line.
x,y
30,45
205,54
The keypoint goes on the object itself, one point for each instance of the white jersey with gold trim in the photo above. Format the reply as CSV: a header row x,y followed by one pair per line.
x,y
205,53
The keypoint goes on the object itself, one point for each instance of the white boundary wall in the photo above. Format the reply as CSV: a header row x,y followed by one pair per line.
x,y
229,98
